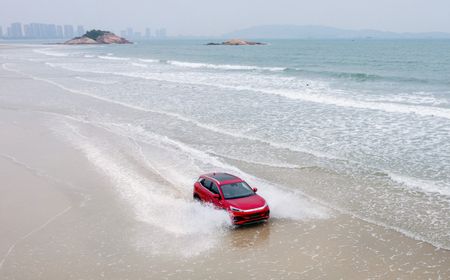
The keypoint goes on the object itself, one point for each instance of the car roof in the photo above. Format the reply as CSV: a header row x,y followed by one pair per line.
x,y
223,178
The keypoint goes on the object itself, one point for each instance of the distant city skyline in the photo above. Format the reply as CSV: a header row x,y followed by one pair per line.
x,y
214,18
18,30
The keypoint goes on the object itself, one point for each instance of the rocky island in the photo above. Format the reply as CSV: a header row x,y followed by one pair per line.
x,y
97,37
235,42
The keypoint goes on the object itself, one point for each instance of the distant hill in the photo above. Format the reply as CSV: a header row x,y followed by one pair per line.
x,y
324,32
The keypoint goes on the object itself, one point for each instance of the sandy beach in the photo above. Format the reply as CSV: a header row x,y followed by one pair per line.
x,y
80,198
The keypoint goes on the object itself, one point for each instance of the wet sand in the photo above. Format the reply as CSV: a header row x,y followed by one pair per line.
x,y
60,218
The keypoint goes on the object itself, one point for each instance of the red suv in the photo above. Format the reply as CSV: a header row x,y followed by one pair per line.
x,y
233,194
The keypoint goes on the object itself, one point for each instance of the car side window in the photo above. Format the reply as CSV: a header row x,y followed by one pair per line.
x,y
207,184
214,189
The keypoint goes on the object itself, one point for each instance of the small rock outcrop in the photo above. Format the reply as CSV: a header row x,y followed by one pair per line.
x,y
97,37
80,41
235,42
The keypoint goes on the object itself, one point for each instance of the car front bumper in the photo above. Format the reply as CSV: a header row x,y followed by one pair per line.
x,y
240,218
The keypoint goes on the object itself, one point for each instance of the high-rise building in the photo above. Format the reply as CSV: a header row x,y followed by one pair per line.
x,y
130,32
68,31
38,30
16,30
51,28
34,30
80,30
1,32
42,31
27,31
123,33
59,32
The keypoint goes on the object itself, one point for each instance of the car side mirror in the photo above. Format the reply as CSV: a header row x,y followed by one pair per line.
x,y
255,189
217,196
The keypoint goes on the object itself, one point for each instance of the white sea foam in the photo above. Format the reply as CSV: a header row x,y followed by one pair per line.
x,y
140,108
182,118
141,65
152,202
97,81
198,65
206,126
160,207
148,60
223,66
113,57
309,94
360,104
279,200
50,52
419,98
316,94
283,202
266,163
420,184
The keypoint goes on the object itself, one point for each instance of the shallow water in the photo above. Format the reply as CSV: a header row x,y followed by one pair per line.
x,y
359,127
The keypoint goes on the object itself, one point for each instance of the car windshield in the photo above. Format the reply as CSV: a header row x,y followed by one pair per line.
x,y
236,190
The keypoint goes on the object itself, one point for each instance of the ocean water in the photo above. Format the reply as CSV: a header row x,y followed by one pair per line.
x,y
359,127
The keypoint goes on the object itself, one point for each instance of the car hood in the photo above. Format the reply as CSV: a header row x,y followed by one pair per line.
x,y
246,203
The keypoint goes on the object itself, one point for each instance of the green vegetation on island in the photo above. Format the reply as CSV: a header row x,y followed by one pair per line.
x,y
95,33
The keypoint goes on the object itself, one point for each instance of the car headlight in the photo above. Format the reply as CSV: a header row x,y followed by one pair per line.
x,y
235,209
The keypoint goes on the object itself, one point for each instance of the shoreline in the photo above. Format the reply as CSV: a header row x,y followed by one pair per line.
x,y
81,227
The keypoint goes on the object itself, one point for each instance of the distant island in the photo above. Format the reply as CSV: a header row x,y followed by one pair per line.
x,y
325,32
235,42
97,37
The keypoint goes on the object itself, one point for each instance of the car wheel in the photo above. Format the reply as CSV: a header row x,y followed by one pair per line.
x,y
197,198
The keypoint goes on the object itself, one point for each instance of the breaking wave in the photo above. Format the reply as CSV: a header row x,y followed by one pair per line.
x,y
113,57
50,52
223,66
308,94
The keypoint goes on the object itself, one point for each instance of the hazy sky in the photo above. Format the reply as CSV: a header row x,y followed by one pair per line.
x,y
212,17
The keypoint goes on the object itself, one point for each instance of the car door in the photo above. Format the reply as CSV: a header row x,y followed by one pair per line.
x,y
205,193
217,201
